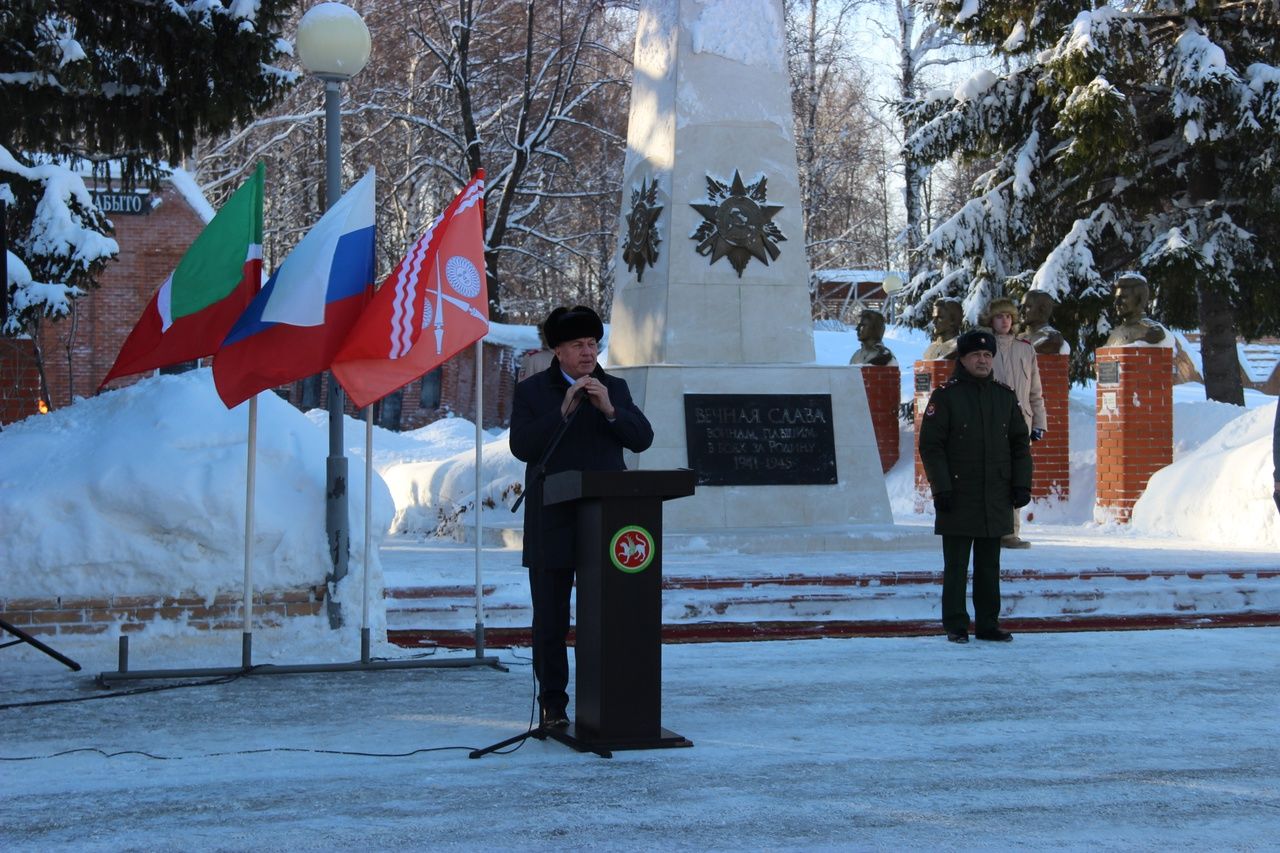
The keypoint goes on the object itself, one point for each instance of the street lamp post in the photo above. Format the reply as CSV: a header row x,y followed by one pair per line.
x,y
334,45
891,284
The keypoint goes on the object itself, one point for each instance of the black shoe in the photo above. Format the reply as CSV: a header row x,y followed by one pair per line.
x,y
995,635
957,637
553,718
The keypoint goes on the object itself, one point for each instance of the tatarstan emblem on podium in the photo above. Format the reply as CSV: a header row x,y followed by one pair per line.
x,y
631,549
737,223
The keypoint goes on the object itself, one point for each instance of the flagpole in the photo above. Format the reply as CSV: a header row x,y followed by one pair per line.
x,y
368,516
246,638
479,503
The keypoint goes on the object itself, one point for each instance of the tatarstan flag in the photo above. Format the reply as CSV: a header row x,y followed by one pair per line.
x,y
191,313
434,304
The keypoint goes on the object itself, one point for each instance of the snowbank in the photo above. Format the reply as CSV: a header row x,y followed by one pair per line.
x,y
142,490
434,496
1219,492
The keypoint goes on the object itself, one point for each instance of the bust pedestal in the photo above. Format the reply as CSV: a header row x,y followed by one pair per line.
x,y
1051,454
882,384
1135,424
928,375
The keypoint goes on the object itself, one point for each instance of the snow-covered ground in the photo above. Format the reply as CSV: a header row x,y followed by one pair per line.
x,y
1152,740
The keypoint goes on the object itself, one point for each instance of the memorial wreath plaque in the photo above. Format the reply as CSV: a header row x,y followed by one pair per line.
x,y
761,439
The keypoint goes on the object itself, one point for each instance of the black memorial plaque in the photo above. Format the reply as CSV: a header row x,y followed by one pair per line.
x,y
1108,373
923,382
761,439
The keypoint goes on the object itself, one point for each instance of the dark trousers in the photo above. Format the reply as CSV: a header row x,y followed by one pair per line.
x,y
550,590
986,582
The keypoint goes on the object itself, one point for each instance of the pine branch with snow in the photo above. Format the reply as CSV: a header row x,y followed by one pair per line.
x,y
1139,135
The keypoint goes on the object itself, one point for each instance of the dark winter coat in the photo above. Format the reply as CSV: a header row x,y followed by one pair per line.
x,y
591,443
975,444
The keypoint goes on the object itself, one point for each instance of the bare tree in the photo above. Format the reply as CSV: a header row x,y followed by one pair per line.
x,y
532,92
522,107
839,143
920,43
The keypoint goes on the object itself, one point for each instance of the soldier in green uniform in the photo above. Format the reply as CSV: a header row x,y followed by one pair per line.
x,y
976,452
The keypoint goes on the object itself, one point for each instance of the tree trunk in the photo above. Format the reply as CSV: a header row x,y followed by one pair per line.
x,y
69,345
1218,347
912,168
37,351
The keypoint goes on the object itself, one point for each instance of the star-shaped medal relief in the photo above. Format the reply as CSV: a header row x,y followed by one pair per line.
x,y
640,249
737,223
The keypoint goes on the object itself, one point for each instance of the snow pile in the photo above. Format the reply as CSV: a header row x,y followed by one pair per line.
x,y
1221,491
434,495
142,490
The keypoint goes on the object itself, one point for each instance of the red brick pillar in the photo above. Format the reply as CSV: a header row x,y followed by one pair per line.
x,y
928,375
1135,424
883,383
1051,454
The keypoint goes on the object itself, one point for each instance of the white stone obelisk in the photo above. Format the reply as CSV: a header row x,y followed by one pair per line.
x,y
724,307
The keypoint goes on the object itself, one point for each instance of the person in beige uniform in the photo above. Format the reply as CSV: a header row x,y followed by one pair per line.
x,y
1015,366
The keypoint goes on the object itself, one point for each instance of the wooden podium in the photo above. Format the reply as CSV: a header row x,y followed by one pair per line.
x,y
619,625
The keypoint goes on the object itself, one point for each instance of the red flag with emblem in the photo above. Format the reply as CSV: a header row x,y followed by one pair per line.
x,y
433,305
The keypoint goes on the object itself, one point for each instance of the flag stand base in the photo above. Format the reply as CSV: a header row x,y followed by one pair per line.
x,y
106,679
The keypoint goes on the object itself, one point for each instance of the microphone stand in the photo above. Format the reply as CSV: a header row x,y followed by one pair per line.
x,y
540,469
542,732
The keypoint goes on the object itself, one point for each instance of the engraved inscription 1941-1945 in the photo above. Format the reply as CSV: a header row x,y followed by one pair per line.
x,y
760,439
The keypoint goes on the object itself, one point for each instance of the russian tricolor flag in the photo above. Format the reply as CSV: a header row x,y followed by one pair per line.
x,y
295,324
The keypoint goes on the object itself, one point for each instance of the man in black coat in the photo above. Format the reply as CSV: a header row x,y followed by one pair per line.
x,y
599,421
976,452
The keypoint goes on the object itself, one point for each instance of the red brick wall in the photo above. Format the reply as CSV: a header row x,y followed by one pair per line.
x,y
1051,455
883,384
457,390
150,248
1135,425
132,613
19,380
928,375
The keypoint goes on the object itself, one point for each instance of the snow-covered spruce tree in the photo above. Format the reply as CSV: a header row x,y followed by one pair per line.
x,y
1139,135
119,85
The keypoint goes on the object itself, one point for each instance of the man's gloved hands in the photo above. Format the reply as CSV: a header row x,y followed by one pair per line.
x,y
1020,495
1037,434
942,502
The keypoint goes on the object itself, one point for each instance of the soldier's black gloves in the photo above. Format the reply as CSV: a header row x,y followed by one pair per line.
x,y
1037,434
1020,495
942,502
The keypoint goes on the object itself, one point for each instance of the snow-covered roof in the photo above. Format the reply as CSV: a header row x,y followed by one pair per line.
x,y
185,183
853,276
181,180
1259,360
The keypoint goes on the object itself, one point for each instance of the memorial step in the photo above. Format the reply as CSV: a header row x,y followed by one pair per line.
x,y
795,605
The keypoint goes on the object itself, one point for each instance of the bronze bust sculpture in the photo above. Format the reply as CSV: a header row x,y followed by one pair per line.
x,y
1130,298
871,336
1037,309
947,319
